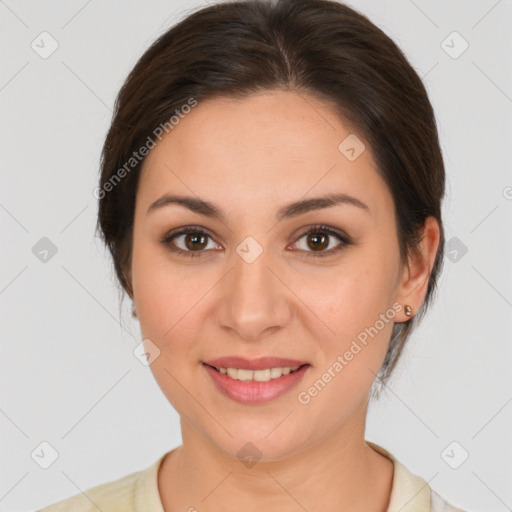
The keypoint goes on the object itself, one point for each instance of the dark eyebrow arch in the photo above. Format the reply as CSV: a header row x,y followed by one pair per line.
x,y
288,211
318,203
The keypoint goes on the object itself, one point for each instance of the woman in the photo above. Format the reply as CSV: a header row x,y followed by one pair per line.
x,y
271,195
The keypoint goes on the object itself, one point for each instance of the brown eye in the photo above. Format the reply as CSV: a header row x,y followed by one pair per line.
x,y
189,242
318,241
321,241
195,241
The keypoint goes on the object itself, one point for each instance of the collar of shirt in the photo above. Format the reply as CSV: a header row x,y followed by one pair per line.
x,y
409,492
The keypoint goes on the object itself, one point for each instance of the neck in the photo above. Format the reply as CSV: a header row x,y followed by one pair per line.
x,y
340,473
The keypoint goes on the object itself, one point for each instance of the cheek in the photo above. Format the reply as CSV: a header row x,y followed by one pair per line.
x,y
349,359
351,296
167,306
355,303
163,292
169,310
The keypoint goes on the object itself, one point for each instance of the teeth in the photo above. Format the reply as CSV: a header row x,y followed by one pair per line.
x,y
257,375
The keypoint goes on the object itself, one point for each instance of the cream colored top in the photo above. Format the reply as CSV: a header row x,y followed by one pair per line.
x,y
138,492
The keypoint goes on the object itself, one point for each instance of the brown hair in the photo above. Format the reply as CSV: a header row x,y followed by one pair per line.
x,y
319,47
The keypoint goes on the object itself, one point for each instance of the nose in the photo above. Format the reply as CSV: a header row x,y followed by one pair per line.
x,y
254,301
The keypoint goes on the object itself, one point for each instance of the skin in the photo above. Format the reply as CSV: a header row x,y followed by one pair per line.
x,y
249,157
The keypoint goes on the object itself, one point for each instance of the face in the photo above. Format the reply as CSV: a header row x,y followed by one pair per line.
x,y
239,272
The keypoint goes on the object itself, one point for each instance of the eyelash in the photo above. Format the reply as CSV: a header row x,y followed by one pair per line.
x,y
320,228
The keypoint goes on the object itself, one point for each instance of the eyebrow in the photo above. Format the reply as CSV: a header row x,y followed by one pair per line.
x,y
288,211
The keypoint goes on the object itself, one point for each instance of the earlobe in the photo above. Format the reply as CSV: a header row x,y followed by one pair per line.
x,y
416,276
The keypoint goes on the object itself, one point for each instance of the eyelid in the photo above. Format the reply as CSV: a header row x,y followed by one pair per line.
x,y
343,238
324,228
167,239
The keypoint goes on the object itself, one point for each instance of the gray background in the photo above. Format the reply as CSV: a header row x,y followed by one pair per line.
x,y
68,375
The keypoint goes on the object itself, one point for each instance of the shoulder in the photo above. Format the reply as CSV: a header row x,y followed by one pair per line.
x,y
439,504
112,496
410,492
136,491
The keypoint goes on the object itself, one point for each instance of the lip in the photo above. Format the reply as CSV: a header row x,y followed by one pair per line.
x,y
254,364
254,392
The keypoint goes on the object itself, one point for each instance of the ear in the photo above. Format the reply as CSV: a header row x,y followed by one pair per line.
x,y
416,273
127,273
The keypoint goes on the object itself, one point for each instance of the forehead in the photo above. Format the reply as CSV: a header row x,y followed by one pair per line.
x,y
275,144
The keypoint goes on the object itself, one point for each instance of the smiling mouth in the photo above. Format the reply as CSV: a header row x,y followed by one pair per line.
x,y
264,375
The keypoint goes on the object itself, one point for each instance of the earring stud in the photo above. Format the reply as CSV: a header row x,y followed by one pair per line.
x,y
408,310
